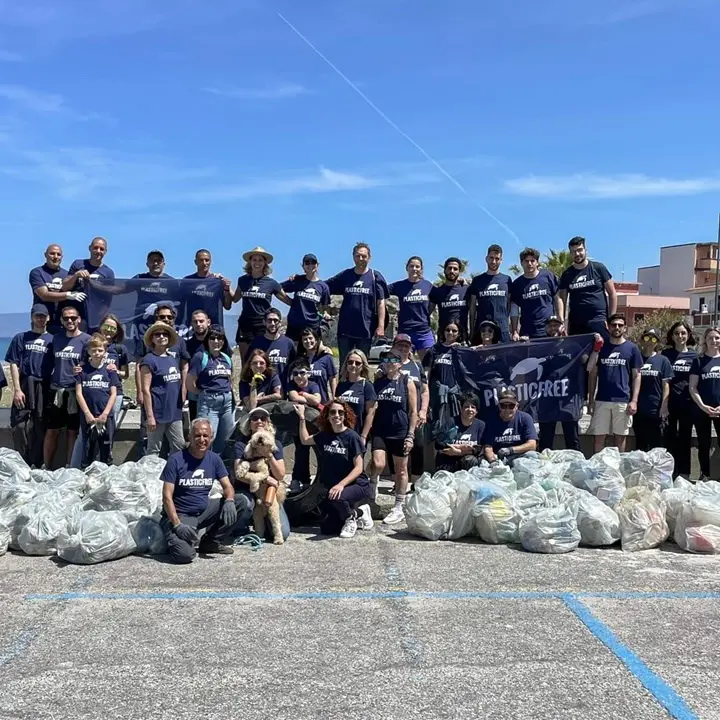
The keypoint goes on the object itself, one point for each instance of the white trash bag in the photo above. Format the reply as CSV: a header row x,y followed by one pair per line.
x,y
40,522
496,519
674,498
642,519
657,467
598,524
600,476
551,529
428,513
526,468
463,521
13,467
502,475
92,537
697,527
148,536
121,488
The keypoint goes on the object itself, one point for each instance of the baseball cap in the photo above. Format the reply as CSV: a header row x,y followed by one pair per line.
x,y
259,412
310,257
401,337
652,332
156,252
39,309
553,318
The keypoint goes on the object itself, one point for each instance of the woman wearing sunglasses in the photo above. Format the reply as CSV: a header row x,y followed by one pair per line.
x,y
310,299
681,409
341,470
510,433
210,377
356,390
393,428
161,383
654,395
321,361
302,390
705,391
488,333
117,358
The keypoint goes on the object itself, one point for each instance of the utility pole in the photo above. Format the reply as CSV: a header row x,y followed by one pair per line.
x,y
717,276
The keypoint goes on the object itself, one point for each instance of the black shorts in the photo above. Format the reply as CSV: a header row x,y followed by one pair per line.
x,y
394,446
57,418
246,333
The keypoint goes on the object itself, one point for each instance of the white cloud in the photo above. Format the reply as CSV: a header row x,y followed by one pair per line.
x,y
33,100
7,56
276,92
591,186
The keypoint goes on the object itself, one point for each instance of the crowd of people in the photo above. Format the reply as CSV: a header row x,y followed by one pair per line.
x,y
67,375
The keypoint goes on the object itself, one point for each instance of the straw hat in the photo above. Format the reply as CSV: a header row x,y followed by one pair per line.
x,y
257,250
147,338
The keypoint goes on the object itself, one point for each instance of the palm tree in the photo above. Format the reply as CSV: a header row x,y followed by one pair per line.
x,y
556,261
441,272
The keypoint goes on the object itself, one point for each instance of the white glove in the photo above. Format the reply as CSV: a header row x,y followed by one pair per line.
x,y
77,296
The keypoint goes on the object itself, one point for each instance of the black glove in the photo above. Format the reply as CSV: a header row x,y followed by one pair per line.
x,y
228,513
504,452
186,533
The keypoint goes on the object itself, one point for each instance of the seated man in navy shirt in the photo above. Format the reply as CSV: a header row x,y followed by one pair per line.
x,y
462,447
509,434
187,480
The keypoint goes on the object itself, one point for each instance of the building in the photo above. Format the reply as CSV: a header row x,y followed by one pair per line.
x,y
636,306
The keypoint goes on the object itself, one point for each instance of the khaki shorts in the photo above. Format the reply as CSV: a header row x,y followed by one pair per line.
x,y
610,418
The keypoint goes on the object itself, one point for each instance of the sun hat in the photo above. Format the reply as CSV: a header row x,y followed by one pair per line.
x,y
147,338
257,250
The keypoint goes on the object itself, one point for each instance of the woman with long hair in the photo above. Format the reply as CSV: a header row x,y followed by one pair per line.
x,y
210,377
681,353
704,386
413,294
320,360
488,333
259,383
357,390
116,358
341,469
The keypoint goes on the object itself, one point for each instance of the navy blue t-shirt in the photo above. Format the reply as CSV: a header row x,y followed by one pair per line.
x,y
30,352
312,388
417,374
257,295
241,444
67,352
308,297
193,478
102,299
501,434
269,386
206,293
654,373
360,295
586,292
96,384
414,298
280,352
615,363
216,376
165,387
148,294
337,453
451,302
357,395
177,350
438,363
534,297
3,379
323,369
391,416
491,294
708,371
193,344
462,435
46,277
679,383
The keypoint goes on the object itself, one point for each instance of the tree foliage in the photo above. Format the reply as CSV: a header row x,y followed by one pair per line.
x,y
660,320
556,261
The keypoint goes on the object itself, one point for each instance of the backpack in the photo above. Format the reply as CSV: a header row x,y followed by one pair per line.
x,y
206,358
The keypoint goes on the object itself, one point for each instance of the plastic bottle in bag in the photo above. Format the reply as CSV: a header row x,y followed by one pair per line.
x,y
642,519
697,526
550,530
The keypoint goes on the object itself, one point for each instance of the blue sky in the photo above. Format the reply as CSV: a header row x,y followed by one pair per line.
x,y
179,124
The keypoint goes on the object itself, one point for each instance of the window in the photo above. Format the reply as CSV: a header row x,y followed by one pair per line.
x,y
638,318
701,302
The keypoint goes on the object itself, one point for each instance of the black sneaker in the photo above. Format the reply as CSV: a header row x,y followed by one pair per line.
x,y
215,548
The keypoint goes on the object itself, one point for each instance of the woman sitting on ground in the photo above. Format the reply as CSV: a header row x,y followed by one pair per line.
x,y
259,383
462,448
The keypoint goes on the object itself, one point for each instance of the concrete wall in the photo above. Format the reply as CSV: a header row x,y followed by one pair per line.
x,y
677,270
649,279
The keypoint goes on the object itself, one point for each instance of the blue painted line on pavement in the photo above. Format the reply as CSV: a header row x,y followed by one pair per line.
x,y
653,683
19,647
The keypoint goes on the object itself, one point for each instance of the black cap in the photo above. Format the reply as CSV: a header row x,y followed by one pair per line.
x,y
39,309
156,252
309,257
652,332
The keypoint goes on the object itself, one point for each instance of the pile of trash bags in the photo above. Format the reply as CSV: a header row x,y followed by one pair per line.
x,y
554,501
103,513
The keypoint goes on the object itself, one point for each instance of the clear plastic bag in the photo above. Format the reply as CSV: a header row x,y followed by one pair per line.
x,y
526,468
642,519
148,536
123,489
69,480
562,456
674,498
91,537
551,530
13,467
463,521
428,513
502,475
4,537
496,519
598,524
600,476
697,527
41,521
656,467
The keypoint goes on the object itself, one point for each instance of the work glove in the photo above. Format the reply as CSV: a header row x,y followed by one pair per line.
x,y
186,533
228,513
257,378
503,452
77,296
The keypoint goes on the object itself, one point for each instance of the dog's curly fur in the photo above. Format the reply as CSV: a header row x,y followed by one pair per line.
x,y
256,471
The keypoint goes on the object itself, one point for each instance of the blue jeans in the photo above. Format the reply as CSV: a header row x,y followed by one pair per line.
x,y
219,409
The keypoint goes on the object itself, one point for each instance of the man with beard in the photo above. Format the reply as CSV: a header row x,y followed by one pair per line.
x,y
489,295
200,323
280,348
450,298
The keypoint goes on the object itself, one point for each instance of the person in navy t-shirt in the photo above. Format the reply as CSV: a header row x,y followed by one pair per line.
x,y
199,296
705,391
321,360
588,286
655,375
46,283
259,383
461,446
681,409
341,470
280,349
416,307
311,297
302,390
116,358
450,298
356,390
362,313
616,377
67,351
509,433
534,293
489,296
187,479
256,288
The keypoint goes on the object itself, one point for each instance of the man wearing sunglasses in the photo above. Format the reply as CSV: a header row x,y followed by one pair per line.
x,y
510,433
614,387
280,348
310,299
66,350
655,375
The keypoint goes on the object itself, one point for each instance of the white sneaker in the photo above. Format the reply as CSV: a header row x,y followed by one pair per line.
x,y
349,528
395,516
365,521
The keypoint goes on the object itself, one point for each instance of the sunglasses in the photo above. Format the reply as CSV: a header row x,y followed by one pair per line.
x,y
650,339
300,373
71,318
161,333
165,317
259,418
272,320
309,262
354,363
337,413
506,405
107,326
216,338
392,360
617,325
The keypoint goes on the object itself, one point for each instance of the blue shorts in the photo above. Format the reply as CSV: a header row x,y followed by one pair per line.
x,y
422,340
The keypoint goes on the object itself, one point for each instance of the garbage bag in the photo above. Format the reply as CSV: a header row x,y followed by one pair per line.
x,y
463,522
530,498
550,530
526,468
642,519
69,480
12,466
428,514
91,537
496,519
655,467
502,475
148,471
41,521
697,528
598,524
600,476
148,536
122,488
562,456
4,537
674,498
